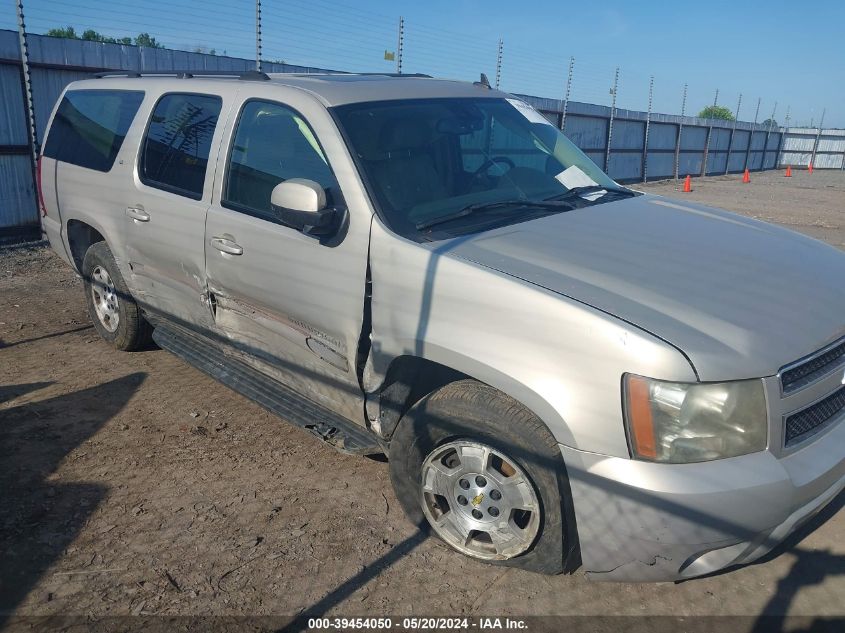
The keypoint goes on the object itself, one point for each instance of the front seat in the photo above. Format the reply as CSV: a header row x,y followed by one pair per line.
x,y
404,165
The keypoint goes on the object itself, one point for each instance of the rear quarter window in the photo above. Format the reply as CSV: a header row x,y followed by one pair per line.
x,y
176,147
90,125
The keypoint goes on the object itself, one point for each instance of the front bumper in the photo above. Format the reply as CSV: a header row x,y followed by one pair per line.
x,y
642,521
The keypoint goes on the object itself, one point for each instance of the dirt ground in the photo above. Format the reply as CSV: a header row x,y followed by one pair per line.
x,y
134,484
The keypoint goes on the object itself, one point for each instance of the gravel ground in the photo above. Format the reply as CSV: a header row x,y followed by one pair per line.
x,y
134,484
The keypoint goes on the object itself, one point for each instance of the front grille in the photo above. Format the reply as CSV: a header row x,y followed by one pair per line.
x,y
804,373
807,421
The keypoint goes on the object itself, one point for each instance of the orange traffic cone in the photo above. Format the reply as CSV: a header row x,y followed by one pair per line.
x,y
810,167
788,173
687,184
745,176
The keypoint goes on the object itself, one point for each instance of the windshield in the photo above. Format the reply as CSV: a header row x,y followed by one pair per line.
x,y
440,167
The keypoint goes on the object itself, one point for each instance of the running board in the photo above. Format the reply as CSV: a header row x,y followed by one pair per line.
x,y
274,396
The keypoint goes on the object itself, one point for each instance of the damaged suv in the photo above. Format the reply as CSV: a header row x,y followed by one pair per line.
x,y
561,370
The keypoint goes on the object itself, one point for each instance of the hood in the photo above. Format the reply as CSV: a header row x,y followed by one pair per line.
x,y
739,297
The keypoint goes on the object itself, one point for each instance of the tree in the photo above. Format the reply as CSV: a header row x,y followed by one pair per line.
x,y
90,35
68,33
202,48
145,39
769,122
716,112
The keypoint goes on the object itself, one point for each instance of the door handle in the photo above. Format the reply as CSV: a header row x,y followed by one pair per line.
x,y
226,245
137,213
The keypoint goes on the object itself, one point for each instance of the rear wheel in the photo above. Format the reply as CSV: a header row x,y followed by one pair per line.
x,y
485,475
113,312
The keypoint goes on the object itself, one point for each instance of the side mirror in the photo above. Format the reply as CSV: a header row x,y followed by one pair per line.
x,y
301,204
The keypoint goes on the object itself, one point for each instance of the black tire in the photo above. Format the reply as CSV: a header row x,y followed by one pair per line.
x,y
469,410
133,332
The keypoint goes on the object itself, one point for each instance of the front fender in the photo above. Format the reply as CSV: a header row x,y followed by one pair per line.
x,y
560,358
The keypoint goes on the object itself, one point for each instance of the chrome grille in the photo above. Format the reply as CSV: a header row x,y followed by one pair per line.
x,y
804,423
804,372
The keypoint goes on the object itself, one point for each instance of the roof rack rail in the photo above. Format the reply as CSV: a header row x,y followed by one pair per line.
x,y
244,75
409,75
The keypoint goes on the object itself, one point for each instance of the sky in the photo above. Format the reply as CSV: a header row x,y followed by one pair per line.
x,y
786,52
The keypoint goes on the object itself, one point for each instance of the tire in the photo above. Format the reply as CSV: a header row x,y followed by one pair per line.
x,y
469,418
111,308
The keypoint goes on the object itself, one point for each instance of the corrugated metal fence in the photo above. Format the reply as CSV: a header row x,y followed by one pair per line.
x,y
642,146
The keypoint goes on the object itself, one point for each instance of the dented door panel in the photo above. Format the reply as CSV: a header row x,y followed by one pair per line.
x,y
290,304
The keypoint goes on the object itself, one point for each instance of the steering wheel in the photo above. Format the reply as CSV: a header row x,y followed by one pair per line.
x,y
487,164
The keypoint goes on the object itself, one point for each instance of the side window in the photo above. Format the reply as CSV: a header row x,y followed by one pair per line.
x,y
90,125
178,141
272,143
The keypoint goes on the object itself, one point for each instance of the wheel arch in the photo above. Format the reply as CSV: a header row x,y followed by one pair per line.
x,y
410,378
80,237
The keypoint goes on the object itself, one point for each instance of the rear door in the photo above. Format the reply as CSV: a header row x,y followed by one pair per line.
x,y
166,207
293,304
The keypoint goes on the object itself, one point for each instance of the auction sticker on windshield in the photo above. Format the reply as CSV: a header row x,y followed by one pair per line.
x,y
528,112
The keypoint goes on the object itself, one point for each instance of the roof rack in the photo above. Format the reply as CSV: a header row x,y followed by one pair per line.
x,y
243,75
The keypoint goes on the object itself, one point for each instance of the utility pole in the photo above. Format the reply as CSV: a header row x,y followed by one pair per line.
x,y
400,45
499,63
258,35
612,115
647,126
566,95
680,129
716,98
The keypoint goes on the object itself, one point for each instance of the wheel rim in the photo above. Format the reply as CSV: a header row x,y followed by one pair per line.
x,y
105,299
479,500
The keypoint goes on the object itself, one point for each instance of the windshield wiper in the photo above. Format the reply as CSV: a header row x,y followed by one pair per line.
x,y
586,190
486,206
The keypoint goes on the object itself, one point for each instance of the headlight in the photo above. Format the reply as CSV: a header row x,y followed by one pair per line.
x,y
694,422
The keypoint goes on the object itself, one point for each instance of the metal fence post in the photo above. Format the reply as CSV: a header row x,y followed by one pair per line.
x,y
499,62
706,150
731,138
782,139
818,136
610,121
258,35
751,134
768,134
27,90
566,95
647,126
400,45
680,129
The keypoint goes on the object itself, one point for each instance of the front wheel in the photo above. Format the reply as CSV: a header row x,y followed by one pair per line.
x,y
485,475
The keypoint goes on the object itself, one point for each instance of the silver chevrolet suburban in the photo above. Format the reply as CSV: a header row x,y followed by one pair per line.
x,y
561,370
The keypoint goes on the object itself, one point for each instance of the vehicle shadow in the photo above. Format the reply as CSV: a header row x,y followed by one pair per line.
x,y
39,518
810,568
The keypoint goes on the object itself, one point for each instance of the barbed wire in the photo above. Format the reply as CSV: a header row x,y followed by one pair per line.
x,y
305,32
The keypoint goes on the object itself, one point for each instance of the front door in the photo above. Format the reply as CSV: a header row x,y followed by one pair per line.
x,y
292,304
